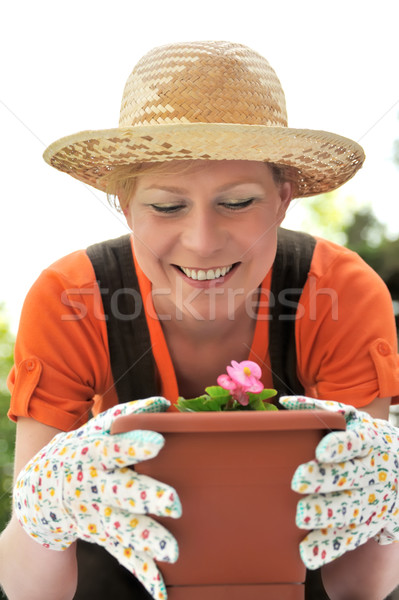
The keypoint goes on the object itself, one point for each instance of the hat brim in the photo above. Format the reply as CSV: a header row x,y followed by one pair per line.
x,y
324,161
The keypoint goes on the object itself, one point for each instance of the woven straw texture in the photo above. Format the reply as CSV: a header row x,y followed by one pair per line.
x,y
209,101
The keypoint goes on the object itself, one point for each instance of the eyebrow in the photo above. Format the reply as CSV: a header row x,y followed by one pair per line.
x,y
166,188
177,190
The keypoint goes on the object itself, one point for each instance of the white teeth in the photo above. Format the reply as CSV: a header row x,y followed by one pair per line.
x,y
202,275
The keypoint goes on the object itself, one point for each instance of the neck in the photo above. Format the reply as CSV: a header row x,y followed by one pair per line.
x,y
206,329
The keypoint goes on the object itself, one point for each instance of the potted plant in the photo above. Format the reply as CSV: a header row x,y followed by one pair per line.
x,y
239,389
232,465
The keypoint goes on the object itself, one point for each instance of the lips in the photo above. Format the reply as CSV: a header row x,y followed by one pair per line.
x,y
206,275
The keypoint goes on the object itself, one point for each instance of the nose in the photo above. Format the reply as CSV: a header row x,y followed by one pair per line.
x,y
203,232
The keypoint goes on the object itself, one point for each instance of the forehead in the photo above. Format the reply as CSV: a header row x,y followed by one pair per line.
x,y
207,173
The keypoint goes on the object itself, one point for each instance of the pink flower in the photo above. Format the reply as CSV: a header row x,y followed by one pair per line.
x,y
242,377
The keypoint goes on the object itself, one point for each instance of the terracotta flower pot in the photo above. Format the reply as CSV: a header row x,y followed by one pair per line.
x,y
232,470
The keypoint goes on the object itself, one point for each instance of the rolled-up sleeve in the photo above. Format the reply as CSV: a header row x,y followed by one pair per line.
x,y
346,336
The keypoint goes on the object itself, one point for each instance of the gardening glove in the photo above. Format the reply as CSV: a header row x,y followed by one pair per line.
x,y
353,485
80,486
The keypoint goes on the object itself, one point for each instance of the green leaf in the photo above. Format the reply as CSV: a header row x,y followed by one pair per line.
x,y
215,404
268,406
182,408
218,399
192,404
201,403
255,402
216,391
265,394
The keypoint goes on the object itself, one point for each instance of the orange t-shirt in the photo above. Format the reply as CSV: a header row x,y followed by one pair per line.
x,y
345,339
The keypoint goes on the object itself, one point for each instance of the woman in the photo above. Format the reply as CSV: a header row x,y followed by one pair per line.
x,y
204,168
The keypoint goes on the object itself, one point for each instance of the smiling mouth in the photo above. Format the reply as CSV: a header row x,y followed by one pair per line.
x,y
208,274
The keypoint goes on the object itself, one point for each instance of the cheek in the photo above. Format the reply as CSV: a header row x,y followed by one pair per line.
x,y
261,232
145,247
147,235
261,252
151,245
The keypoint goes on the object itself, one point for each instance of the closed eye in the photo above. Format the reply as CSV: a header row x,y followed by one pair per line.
x,y
167,208
239,204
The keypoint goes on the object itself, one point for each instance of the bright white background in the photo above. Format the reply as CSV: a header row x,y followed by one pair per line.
x,y
63,69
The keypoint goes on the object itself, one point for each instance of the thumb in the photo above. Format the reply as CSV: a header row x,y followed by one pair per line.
x,y
104,420
336,446
304,402
297,402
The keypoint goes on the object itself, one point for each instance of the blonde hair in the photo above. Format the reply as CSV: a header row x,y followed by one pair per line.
x,y
121,181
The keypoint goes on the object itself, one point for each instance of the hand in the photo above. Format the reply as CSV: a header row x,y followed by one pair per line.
x,y
353,485
79,486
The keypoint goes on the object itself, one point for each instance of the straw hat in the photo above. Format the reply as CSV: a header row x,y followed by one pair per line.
x,y
213,101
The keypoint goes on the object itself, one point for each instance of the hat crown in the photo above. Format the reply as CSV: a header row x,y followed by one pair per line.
x,y
203,82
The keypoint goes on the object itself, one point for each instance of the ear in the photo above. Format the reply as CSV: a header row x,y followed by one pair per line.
x,y
286,194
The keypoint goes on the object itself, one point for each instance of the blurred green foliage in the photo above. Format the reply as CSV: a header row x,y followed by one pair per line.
x,y
327,215
367,236
7,427
344,221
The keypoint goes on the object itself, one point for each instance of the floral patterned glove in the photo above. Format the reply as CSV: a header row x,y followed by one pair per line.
x,y
79,486
353,485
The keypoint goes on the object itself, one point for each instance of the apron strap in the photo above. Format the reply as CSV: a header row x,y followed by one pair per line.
x,y
132,360
290,271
